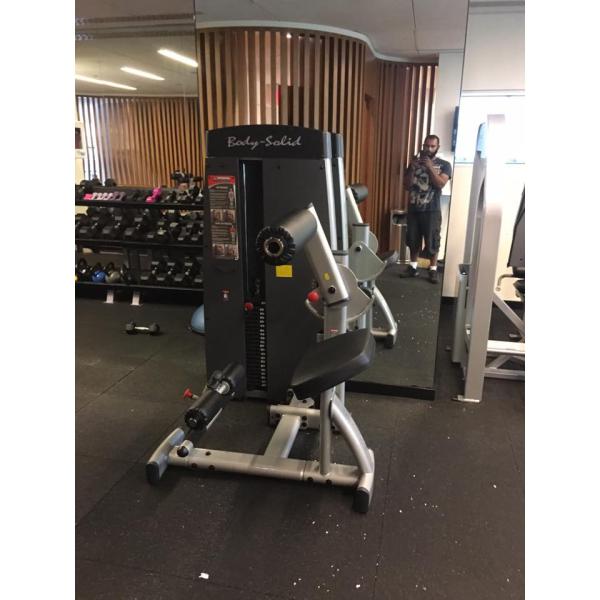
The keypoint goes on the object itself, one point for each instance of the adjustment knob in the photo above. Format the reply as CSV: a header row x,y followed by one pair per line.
x,y
248,306
188,393
313,296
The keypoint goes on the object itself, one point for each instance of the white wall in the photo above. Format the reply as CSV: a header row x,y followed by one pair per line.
x,y
494,60
447,97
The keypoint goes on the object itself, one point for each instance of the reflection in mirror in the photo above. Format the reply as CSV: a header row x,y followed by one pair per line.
x,y
136,91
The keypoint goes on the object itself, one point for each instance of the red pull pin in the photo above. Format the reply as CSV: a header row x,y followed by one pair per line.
x,y
313,296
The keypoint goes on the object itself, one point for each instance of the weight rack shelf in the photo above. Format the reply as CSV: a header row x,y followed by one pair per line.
x,y
133,250
120,204
138,286
95,243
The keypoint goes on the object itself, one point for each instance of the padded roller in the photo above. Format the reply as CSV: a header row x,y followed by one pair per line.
x,y
278,244
359,191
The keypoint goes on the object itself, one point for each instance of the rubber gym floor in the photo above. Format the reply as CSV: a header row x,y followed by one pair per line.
x,y
446,520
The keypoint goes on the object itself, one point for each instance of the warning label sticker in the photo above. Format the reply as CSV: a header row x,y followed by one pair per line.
x,y
223,216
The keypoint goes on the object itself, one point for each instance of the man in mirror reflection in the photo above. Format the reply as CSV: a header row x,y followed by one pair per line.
x,y
424,179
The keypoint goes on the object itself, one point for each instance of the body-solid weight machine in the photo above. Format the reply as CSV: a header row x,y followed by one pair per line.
x,y
320,373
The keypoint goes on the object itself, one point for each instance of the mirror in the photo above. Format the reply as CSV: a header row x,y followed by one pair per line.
x,y
383,90
132,98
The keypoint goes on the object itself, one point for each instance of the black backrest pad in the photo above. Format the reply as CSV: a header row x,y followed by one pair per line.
x,y
332,361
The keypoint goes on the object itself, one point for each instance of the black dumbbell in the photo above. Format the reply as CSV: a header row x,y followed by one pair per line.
x,y
166,277
126,275
140,225
131,328
149,277
190,269
81,220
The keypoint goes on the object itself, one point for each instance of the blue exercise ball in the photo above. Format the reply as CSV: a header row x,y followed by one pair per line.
x,y
197,324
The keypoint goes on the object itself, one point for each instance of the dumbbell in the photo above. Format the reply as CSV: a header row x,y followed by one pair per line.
x,y
81,220
160,233
166,277
112,274
114,229
190,269
155,267
98,219
156,196
131,328
141,223
126,275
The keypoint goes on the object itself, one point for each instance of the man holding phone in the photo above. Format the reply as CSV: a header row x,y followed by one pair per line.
x,y
424,180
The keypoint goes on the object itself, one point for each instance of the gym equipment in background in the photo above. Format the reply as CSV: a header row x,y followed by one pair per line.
x,y
367,266
360,244
255,316
471,347
131,328
141,224
320,373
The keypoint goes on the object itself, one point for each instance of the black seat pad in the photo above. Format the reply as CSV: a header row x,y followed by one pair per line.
x,y
332,361
519,272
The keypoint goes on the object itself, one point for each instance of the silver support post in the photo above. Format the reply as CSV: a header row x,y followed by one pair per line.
x,y
110,296
387,315
345,423
325,439
458,340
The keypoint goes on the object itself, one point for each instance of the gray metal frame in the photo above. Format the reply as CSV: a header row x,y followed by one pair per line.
x,y
471,346
296,415
367,266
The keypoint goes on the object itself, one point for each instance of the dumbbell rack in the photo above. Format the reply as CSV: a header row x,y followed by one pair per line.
x,y
132,250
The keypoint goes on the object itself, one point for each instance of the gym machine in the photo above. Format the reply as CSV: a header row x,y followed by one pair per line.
x,y
478,356
320,373
256,175
360,243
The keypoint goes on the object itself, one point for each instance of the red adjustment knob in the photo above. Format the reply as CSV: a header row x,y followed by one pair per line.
x,y
248,306
313,296
188,393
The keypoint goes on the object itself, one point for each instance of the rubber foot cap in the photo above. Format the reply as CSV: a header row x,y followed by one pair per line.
x,y
152,473
361,501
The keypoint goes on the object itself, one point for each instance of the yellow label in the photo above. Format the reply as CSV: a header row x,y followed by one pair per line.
x,y
326,276
283,271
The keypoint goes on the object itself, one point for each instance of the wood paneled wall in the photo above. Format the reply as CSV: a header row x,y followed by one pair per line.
x,y
402,113
252,76
256,76
138,140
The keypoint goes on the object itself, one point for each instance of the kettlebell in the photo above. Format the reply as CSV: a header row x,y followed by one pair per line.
x,y
82,270
112,275
98,274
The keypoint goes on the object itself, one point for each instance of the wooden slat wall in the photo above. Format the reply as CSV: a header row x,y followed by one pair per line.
x,y
402,119
138,140
310,79
251,76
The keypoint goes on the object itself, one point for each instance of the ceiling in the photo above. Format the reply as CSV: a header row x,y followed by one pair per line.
x,y
111,33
